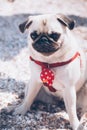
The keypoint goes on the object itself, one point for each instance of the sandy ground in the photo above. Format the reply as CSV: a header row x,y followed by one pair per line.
x,y
14,66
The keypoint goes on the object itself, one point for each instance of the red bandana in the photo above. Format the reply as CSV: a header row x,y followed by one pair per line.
x,y
47,75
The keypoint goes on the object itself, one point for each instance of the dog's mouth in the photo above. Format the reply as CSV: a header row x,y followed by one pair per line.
x,y
45,45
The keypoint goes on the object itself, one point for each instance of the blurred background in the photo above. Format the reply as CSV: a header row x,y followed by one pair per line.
x,y
12,7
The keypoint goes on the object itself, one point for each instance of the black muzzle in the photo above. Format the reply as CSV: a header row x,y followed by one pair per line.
x,y
44,44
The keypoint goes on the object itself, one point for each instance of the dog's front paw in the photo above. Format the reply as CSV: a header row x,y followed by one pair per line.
x,y
21,109
82,126
75,124
9,109
83,123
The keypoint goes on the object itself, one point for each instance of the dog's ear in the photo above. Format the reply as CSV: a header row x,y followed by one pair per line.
x,y
66,21
25,25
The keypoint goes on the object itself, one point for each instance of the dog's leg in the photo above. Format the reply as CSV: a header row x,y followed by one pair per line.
x,y
70,103
32,91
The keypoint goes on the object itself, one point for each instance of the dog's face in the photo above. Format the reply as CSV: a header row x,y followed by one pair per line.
x,y
46,32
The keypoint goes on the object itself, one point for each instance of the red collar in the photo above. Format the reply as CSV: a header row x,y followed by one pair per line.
x,y
47,75
57,64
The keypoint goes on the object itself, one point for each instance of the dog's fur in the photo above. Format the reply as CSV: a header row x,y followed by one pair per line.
x,y
68,78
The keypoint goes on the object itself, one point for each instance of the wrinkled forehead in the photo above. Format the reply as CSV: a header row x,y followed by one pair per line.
x,y
45,23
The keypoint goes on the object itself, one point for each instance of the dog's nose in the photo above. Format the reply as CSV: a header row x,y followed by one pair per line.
x,y
44,39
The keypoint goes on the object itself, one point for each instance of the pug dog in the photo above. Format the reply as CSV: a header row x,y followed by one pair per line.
x,y
57,61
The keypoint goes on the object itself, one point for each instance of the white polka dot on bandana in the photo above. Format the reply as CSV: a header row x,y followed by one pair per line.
x,y
47,76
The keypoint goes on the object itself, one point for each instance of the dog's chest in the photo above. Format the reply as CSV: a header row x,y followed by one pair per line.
x,y
65,76
58,81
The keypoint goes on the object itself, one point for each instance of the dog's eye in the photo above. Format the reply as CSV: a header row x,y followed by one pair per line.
x,y
54,36
34,35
